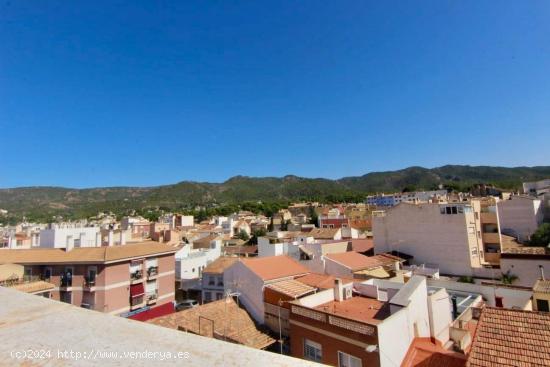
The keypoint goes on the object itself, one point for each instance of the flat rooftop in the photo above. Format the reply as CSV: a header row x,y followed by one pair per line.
x,y
358,308
29,322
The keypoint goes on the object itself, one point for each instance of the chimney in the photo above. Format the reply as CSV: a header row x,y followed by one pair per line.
x,y
69,244
338,290
110,238
122,238
98,240
541,268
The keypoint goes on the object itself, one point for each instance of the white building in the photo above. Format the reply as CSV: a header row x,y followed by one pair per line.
x,y
448,236
71,236
248,278
191,262
520,216
536,188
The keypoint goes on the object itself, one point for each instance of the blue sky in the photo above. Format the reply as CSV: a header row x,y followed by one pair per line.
x,y
155,92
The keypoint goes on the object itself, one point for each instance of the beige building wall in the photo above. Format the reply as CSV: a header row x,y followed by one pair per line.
x,y
450,241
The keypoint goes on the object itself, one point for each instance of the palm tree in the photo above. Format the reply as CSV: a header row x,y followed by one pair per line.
x,y
508,278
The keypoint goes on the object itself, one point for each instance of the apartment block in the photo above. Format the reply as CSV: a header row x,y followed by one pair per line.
x,y
360,324
135,280
447,236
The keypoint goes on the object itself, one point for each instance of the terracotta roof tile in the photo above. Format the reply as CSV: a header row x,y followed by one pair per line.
x,y
355,261
84,254
321,281
511,338
219,265
275,267
292,288
220,319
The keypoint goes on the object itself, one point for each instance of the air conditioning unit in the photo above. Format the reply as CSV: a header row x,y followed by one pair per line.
x,y
348,293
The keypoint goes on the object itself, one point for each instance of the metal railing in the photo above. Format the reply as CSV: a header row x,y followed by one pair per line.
x,y
136,275
152,271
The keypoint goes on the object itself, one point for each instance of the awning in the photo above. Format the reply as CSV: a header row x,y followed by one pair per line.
x,y
151,313
137,290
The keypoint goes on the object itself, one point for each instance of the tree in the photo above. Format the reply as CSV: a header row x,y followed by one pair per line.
x,y
257,233
284,224
243,235
541,237
508,278
314,218
466,279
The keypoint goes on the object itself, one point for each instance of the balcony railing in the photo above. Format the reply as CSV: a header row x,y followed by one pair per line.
x,y
136,301
89,282
152,271
136,275
152,297
66,281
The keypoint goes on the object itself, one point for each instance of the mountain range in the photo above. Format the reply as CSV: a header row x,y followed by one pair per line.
x,y
48,201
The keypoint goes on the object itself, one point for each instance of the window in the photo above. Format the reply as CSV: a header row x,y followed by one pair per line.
x,y
207,296
498,302
219,296
312,351
346,360
448,210
92,272
47,273
542,305
454,210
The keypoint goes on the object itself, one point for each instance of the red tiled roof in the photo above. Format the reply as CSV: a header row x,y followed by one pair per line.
x,y
362,244
275,267
511,338
423,353
354,260
321,281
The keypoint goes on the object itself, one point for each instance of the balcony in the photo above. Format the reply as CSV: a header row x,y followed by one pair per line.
x,y
152,272
492,258
488,218
136,277
89,284
137,302
66,283
491,238
152,298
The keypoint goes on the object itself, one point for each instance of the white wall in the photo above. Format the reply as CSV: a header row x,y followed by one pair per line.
x,y
512,298
527,270
336,269
446,240
265,248
187,221
57,237
189,262
238,278
441,316
523,215
394,339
